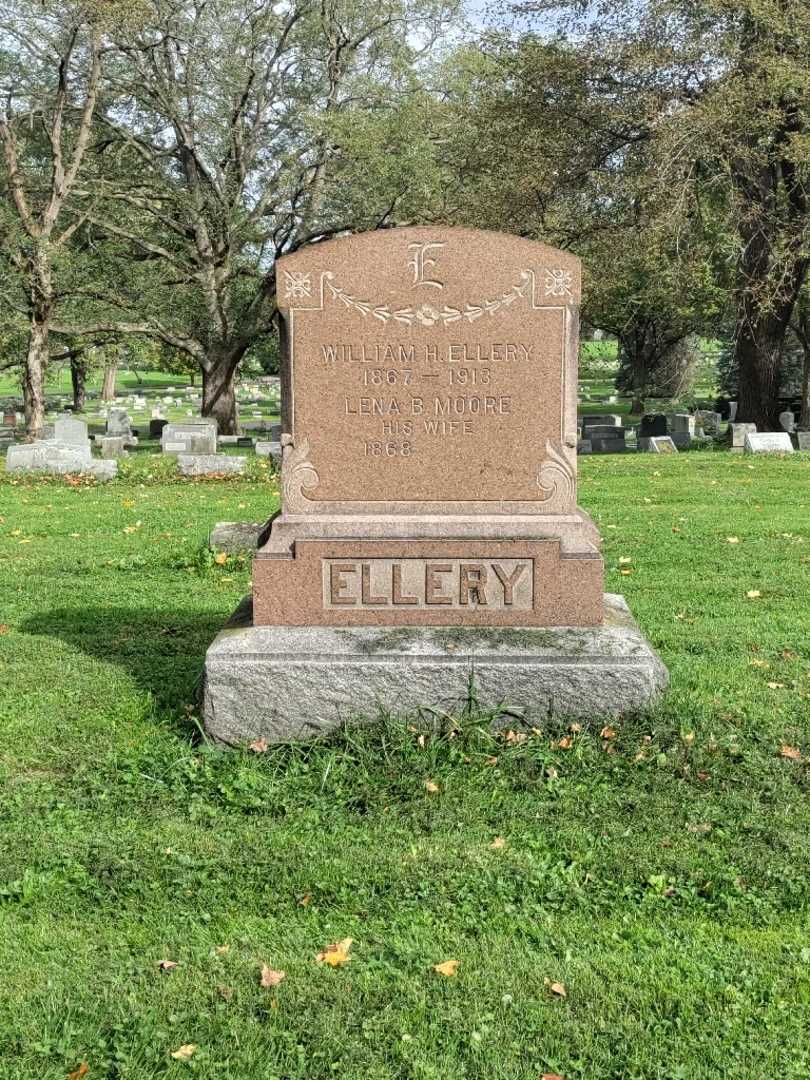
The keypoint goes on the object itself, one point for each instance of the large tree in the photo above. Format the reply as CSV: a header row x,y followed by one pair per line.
x,y
241,133
558,140
733,85
50,76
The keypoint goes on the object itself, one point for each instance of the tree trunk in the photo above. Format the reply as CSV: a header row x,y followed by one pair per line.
x,y
193,377
108,386
219,397
36,362
804,414
78,378
34,377
758,350
767,291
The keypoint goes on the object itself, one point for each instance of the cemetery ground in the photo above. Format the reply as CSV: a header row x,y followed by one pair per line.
x,y
623,901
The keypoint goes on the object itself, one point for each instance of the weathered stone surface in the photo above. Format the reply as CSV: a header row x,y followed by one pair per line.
x,y
708,421
429,528
601,444
652,425
269,449
736,433
768,442
112,446
395,427
659,444
787,420
282,683
209,464
199,437
604,431
119,423
611,420
68,431
236,535
51,457
803,438
682,429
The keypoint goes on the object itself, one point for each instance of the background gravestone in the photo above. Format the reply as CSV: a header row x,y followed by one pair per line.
x,y
429,436
189,438
768,442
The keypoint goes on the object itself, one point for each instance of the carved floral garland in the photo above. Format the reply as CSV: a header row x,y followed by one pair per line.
x,y
427,315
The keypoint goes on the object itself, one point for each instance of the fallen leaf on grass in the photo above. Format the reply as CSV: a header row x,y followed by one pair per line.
x,y
270,978
551,1076
607,732
225,992
221,950
337,954
82,1070
699,827
565,742
776,686
753,594
498,843
221,558
167,965
759,663
557,988
447,968
3,628
793,753
259,746
185,1053
431,787
128,504
305,900
732,539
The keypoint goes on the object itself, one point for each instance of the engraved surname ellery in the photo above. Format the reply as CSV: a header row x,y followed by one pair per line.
x,y
496,584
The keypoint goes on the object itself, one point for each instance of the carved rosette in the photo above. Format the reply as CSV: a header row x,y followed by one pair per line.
x,y
298,475
557,480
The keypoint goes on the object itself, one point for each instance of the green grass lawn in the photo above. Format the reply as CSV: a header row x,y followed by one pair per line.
x,y
660,876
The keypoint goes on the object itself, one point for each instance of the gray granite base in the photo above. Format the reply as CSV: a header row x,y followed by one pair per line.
x,y
285,683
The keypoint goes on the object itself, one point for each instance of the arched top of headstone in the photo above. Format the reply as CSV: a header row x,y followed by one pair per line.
x,y
429,370
429,276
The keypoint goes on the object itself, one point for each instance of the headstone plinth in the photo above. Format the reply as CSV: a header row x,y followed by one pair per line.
x,y
428,478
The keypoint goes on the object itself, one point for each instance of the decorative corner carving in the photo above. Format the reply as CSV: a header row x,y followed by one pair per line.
x,y
298,475
556,479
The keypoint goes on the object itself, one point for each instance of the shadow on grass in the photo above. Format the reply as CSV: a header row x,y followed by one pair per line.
x,y
163,651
